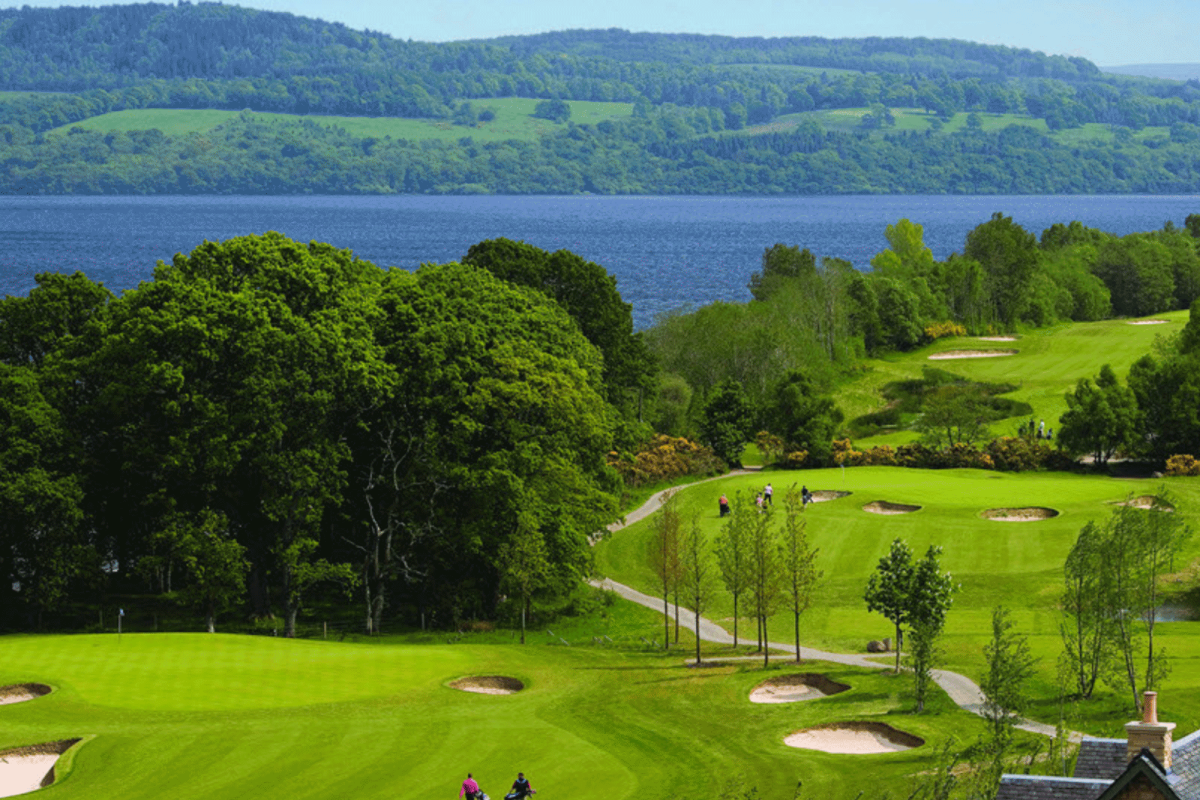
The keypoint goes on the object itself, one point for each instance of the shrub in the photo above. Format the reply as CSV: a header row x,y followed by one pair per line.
x,y
940,329
795,459
665,458
1183,464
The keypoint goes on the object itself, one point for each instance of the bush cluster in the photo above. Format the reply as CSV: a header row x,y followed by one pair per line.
x,y
665,458
939,329
1184,465
1007,454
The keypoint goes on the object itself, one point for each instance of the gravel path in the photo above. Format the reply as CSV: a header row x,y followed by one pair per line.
x,y
962,690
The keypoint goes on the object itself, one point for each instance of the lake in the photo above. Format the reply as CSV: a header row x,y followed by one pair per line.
x,y
666,252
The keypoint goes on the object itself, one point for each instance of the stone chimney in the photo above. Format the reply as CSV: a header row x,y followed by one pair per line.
x,y
1150,733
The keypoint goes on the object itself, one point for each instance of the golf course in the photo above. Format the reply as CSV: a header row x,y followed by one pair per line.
x,y
593,707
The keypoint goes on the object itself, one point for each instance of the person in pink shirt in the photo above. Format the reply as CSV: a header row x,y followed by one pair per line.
x,y
470,789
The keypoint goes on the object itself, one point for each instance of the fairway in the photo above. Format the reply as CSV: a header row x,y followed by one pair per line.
x,y
513,120
190,716
1048,363
1018,564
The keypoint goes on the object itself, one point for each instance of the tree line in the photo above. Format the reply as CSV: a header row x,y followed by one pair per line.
x,y
264,420
665,151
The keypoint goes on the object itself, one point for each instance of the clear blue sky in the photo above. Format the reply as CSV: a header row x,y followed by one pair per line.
x,y
1108,32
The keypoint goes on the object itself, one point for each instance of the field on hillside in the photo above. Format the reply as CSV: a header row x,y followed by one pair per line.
x,y
1048,364
513,120
198,716
915,119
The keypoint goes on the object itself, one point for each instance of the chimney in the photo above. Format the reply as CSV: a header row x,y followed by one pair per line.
x,y
1149,732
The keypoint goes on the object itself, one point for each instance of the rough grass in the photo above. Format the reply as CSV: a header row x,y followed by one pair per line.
x,y
1018,565
513,120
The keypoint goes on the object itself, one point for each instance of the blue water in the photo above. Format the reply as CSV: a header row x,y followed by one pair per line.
x,y
666,252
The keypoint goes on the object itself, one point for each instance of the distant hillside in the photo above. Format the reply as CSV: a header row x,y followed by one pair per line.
x,y
610,111
1173,72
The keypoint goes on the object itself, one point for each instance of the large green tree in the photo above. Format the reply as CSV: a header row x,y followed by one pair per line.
x,y
1009,257
589,294
1101,417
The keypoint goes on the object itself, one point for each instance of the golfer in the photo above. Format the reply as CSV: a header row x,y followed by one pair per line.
x,y
520,788
470,789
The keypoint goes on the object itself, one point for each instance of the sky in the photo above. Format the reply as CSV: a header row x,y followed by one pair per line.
x,y
1106,32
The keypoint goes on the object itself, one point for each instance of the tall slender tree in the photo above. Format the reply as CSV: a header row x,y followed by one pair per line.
x,y
888,589
698,572
733,552
799,560
664,554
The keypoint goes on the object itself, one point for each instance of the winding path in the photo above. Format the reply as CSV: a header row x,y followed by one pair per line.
x,y
962,690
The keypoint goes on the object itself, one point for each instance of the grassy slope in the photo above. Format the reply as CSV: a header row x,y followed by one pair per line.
x,y
513,120
1049,363
223,716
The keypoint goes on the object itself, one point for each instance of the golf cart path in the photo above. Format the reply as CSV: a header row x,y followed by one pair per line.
x,y
961,689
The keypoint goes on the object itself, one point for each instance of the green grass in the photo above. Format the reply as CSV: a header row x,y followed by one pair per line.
x,y
196,715
1048,364
513,120
915,119
1016,564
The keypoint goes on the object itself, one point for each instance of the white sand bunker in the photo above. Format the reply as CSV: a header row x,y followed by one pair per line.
x,y
794,688
27,769
949,354
1030,514
21,692
1148,322
996,338
859,738
884,507
488,684
1145,502
825,495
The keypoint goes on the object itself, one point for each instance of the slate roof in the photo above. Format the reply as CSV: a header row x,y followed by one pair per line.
x,y
1101,771
1101,758
1185,766
1042,787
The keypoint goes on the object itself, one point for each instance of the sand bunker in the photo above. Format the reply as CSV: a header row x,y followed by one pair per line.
x,y
1031,514
794,688
949,354
1148,322
1144,502
859,738
996,338
884,507
21,692
825,495
488,684
26,769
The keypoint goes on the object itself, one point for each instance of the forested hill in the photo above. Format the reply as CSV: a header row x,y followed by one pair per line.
x,y
616,112
921,56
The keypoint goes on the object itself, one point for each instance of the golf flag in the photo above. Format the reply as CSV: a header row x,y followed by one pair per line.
x,y
120,612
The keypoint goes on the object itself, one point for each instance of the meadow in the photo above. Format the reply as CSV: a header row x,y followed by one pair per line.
x,y
513,120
